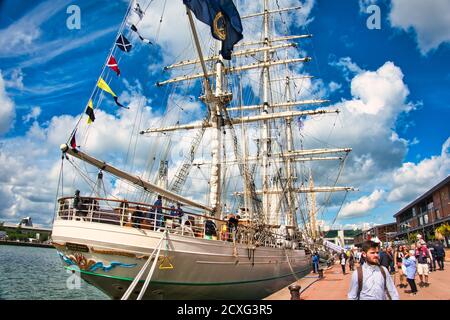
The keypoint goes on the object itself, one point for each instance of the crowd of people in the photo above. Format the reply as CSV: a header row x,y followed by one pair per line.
x,y
371,280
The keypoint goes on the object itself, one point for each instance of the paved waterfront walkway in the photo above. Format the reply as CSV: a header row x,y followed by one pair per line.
x,y
335,285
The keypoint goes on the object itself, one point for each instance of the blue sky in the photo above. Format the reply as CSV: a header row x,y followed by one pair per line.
x,y
49,71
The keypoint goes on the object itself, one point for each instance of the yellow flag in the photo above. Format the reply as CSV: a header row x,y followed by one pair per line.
x,y
104,86
90,112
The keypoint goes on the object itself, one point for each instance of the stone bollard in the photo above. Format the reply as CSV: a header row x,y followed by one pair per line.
x,y
295,291
320,273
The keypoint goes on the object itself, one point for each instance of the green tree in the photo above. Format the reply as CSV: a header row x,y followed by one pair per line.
x,y
443,230
412,237
44,237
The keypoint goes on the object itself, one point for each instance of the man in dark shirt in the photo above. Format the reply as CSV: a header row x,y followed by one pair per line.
x,y
137,217
78,205
440,254
157,206
233,222
385,259
180,212
210,229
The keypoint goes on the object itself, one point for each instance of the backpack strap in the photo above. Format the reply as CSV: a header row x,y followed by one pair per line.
x,y
360,280
385,285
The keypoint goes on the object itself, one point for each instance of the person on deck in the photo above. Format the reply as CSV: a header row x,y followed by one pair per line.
x,y
78,204
137,217
180,212
157,207
210,229
232,226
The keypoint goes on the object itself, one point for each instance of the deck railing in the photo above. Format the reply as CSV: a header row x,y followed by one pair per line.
x,y
143,216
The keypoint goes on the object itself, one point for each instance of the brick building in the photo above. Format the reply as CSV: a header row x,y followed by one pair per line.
x,y
343,238
382,232
426,213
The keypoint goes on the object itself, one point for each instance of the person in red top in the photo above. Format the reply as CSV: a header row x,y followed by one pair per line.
x,y
423,255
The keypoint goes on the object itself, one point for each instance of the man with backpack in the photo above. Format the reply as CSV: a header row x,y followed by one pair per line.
x,y
372,281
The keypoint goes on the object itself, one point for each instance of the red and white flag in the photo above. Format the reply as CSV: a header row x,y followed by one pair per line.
x,y
112,63
73,141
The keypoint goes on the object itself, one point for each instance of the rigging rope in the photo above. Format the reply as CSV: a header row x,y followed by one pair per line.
x,y
60,183
160,21
103,68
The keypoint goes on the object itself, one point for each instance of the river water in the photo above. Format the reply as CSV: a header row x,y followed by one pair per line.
x,y
38,274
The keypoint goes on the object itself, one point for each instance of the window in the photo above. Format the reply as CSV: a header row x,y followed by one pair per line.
x,y
438,214
425,219
423,208
414,211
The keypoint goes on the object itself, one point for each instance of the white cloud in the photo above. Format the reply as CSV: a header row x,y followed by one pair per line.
x,y
15,79
50,50
112,138
33,115
347,66
334,86
177,43
366,124
364,4
429,20
362,206
411,180
17,38
7,108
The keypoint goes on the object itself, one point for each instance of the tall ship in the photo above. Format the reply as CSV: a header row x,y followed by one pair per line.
x,y
223,205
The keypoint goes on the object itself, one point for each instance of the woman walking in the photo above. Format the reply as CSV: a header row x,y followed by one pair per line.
x,y
410,263
399,256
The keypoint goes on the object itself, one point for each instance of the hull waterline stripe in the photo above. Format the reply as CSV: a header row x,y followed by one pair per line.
x,y
186,283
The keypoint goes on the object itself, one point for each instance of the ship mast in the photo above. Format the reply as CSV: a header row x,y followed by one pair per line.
x,y
265,132
291,221
218,117
215,104
312,209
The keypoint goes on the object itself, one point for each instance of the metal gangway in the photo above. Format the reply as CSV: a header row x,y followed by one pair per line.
x,y
334,247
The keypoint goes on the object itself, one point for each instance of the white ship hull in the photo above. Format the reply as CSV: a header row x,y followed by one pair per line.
x,y
110,257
